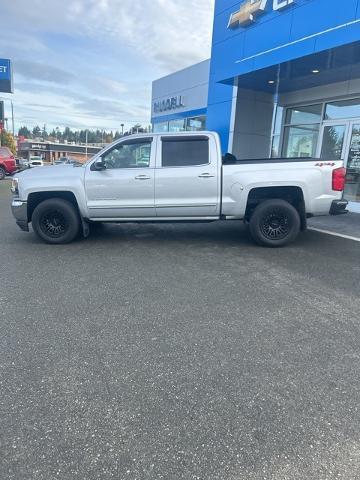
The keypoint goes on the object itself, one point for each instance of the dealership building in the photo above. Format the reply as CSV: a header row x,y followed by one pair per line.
x,y
283,81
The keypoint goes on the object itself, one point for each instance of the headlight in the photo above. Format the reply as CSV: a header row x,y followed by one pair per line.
x,y
15,186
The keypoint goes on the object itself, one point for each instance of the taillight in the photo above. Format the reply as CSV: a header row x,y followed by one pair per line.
x,y
338,179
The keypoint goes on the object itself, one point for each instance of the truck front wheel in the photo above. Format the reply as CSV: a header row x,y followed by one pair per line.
x,y
275,223
56,221
2,173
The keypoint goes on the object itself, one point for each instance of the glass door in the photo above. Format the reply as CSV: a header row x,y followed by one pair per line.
x,y
352,157
332,145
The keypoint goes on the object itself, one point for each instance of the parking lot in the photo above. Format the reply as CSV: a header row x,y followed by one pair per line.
x,y
178,352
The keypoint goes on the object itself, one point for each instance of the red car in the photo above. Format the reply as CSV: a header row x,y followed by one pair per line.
x,y
7,162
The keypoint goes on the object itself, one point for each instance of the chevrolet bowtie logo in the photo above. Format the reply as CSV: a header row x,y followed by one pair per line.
x,y
251,8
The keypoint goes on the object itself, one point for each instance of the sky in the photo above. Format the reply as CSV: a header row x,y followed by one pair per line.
x,y
90,63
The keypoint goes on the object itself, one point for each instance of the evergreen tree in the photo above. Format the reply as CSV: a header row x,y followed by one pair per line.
x,y
36,131
24,132
44,133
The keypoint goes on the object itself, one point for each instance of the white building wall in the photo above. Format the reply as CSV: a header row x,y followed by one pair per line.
x,y
192,84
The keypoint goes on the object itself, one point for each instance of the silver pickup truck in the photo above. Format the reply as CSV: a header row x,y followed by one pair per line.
x,y
177,177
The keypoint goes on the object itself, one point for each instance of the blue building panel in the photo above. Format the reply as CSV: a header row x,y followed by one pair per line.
x,y
302,29
5,76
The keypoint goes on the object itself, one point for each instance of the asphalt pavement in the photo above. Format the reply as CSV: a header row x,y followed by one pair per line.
x,y
178,352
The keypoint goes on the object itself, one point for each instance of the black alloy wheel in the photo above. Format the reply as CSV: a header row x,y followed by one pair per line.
x,y
275,223
56,221
53,224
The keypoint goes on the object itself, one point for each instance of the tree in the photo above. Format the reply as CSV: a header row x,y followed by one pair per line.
x,y
37,131
7,140
24,132
44,133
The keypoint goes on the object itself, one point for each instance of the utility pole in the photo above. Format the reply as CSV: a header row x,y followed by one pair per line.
x,y
12,119
86,144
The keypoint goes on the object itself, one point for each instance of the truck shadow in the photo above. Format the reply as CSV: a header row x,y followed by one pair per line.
x,y
225,233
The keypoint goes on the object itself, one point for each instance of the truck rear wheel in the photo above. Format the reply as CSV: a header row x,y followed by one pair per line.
x,y
56,221
2,173
275,223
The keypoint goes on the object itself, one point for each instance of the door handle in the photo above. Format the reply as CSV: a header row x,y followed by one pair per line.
x,y
142,177
206,175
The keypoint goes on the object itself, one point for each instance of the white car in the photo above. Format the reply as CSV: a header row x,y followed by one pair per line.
x,y
178,177
36,162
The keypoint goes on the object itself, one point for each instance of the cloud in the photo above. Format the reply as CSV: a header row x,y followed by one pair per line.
x,y
95,59
41,71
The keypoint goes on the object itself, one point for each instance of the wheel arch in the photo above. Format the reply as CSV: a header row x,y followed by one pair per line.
x,y
292,194
35,198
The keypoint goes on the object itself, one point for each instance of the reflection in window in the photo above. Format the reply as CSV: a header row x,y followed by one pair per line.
x,y
278,120
343,109
129,155
333,141
275,148
177,125
305,114
301,141
193,124
161,127
352,188
196,124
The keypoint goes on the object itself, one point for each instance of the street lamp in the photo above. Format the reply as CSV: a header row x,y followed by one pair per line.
x,y
122,129
86,143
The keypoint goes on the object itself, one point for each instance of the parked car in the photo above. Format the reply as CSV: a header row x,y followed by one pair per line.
x,y
7,162
22,164
66,161
36,162
178,177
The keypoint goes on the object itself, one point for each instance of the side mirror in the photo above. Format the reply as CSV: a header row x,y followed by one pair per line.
x,y
98,165
229,158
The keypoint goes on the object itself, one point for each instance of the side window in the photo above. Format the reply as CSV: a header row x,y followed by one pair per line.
x,y
131,154
185,151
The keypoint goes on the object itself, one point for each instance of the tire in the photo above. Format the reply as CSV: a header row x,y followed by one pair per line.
x,y
56,221
275,223
2,173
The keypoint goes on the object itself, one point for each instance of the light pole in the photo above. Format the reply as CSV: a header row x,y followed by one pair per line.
x,y
12,118
86,143
122,129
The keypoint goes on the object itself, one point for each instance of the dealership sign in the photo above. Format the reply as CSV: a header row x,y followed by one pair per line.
x,y
250,9
171,103
5,76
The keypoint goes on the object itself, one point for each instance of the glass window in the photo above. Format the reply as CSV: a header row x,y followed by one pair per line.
x,y
278,120
132,154
185,152
352,188
177,125
160,127
342,109
333,141
275,148
196,124
305,114
300,141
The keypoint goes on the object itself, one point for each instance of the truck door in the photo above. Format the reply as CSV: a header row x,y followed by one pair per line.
x,y
187,181
125,188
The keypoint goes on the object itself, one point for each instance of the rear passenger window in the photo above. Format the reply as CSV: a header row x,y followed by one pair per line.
x,y
185,151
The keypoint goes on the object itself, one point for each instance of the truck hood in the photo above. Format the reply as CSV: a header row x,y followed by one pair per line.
x,y
51,178
52,171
